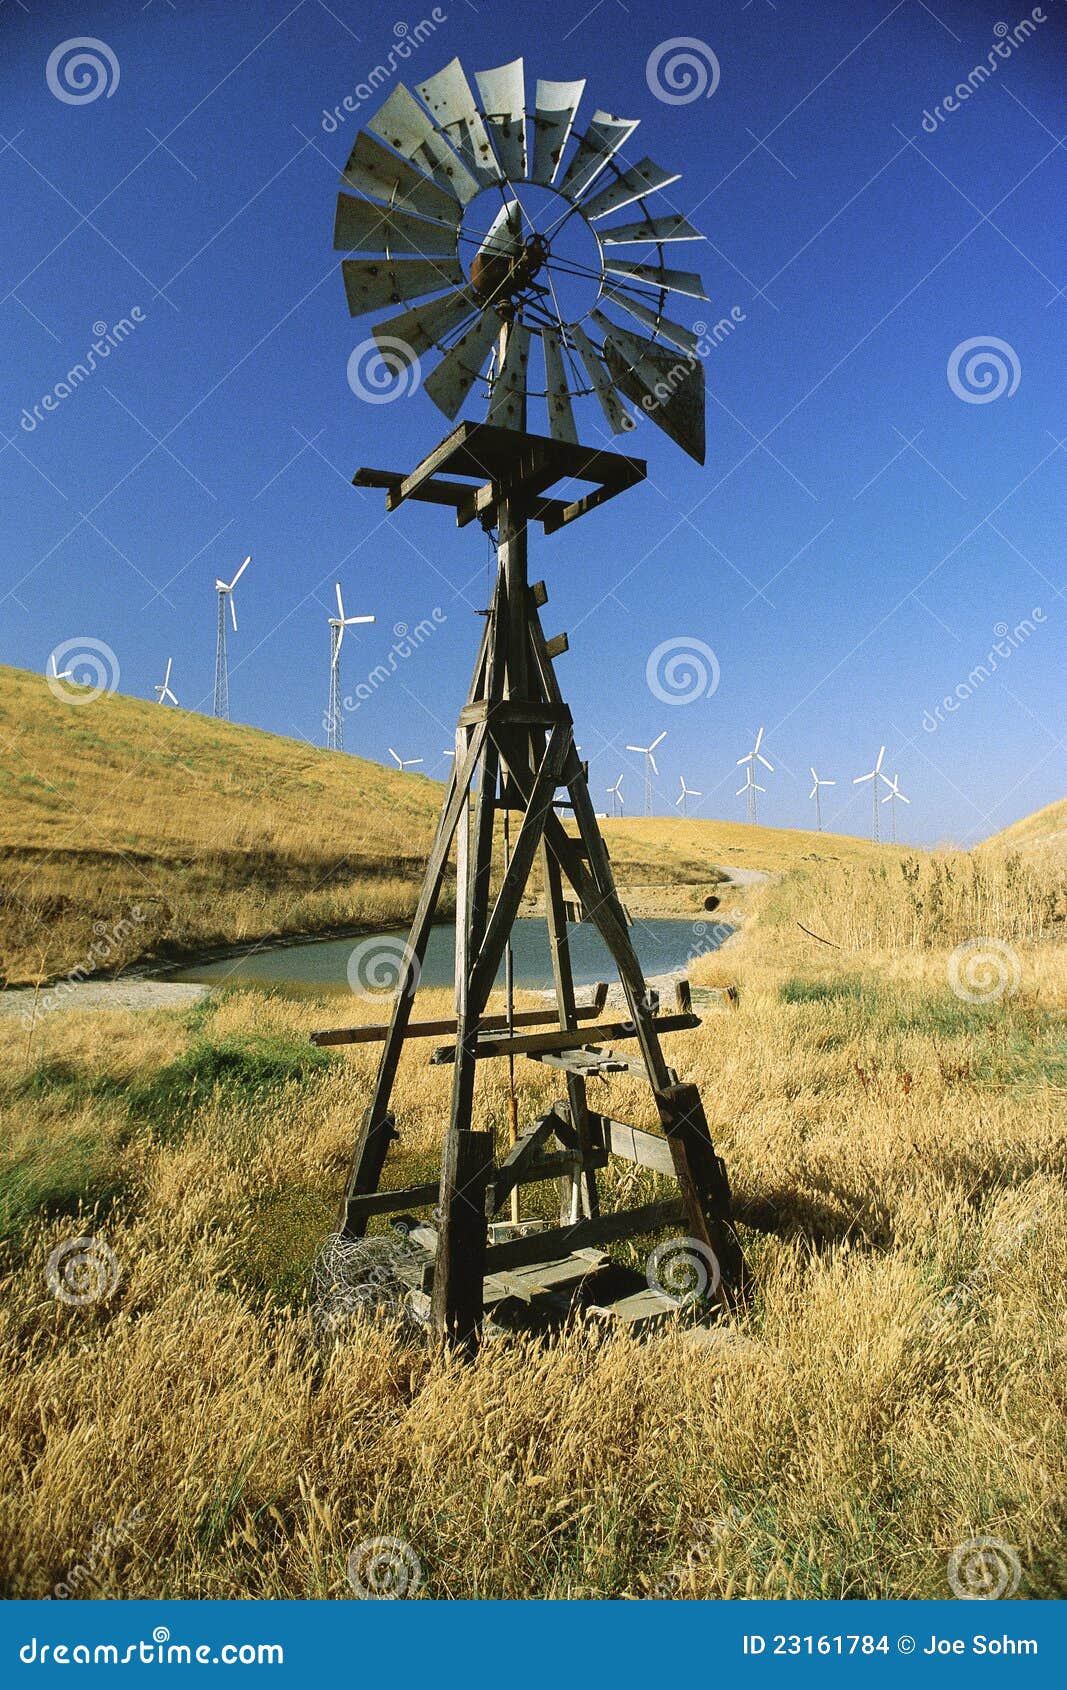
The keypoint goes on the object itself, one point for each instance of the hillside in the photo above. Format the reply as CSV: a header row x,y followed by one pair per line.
x,y
129,832
1046,828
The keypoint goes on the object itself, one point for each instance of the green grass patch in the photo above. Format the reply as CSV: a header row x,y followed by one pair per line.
x,y
61,1176
842,987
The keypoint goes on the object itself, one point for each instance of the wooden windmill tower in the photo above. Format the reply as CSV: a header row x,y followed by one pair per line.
x,y
420,170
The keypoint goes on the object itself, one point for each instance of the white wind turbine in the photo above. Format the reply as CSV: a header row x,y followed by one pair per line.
x,y
55,674
872,776
222,679
615,794
686,792
891,799
814,793
646,751
752,786
335,731
163,693
403,763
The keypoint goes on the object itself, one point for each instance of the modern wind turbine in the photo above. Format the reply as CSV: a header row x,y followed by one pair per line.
x,y
752,786
55,674
403,763
686,792
646,751
615,794
891,799
335,726
858,780
222,679
817,783
164,693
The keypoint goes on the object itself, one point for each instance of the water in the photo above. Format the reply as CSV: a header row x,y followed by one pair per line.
x,y
324,965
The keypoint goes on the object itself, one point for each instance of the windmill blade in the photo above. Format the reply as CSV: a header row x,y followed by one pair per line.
x,y
340,606
240,572
557,103
658,740
504,235
373,170
878,765
601,141
372,283
680,798
338,637
166,678
814,776
756,787
759,739
448,95
168,694
858,780
409,130
740,790
683,338
449,384
693,793
655,276
900,795
398,760
763,760
634,184
668,389
363,226
828,783
413,762
352,621
425,325
618,419
507,402
814,790
558,396
652,760
674,228
233,613
747,758
503,96
641,748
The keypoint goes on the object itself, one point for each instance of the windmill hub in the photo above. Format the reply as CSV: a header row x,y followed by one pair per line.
x,y
499,277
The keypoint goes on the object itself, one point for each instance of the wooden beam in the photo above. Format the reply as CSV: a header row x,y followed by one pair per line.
x,y
393,1202
457,1303
374,1031
648,1150
563,1240
437,492
531,1044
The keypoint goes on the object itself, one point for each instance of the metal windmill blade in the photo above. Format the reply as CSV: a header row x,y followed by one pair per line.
x,y
469,290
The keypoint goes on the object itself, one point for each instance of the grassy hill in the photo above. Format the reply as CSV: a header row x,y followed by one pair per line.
x,y
1045,829
130,832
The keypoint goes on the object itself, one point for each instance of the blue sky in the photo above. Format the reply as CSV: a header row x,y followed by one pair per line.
x,y
858,535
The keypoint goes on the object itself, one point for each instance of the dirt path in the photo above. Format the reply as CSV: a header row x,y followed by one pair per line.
x,y
101,994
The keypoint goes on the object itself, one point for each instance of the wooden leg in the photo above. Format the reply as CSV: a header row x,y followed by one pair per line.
x,y
702,1181
459,1268
588,1203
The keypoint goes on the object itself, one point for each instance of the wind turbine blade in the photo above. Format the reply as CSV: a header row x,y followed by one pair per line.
x,y
558,395
408,128
814,790
756,787
652,760
166,678
680,799
503,96
364,226
684,339
557,103
351,621
814,777
398,760
449,384
657,740
858,780
618,420
828,783
693,793
878,765
233,613
425,325
413,762
373,170
765,763
603,138
448,95
641,748
337,642
340,606
634,184
759,740
902,798
371,283
241,571
745,759
507,402
656,276
673,228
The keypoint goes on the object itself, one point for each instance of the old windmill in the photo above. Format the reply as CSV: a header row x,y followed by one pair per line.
x,y
485,288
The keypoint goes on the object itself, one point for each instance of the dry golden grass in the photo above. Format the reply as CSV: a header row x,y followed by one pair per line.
x,y
895,1387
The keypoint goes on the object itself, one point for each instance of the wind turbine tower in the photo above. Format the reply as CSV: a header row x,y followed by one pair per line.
x,y
647,752
891,799
872,776
222,678
686,792
817,783
335,725
752,786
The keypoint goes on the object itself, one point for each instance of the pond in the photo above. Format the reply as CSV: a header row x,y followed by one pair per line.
x,y
369,964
